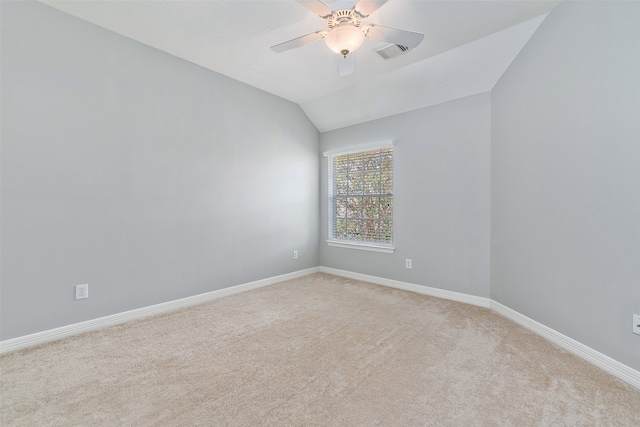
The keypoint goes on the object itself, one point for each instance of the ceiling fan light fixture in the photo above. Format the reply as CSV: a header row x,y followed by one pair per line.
x,y
344,39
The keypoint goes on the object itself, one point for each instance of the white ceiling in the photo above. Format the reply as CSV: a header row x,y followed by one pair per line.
x,y
467,47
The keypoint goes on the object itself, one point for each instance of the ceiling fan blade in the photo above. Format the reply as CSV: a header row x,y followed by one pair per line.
x,y
394,35
346,65
367,7
317,7
297,42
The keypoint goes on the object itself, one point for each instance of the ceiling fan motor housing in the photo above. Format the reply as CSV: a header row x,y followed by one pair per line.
x,y
342,17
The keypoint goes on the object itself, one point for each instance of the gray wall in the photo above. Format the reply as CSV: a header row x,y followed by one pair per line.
x,y
441,196
565,177
146,176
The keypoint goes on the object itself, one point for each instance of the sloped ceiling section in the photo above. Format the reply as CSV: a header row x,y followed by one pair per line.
x,y
467,70
467,46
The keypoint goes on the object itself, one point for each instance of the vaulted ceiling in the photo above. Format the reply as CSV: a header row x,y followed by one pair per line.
x,y
466,48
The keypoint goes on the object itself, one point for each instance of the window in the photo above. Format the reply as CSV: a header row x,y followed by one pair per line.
x,y
361,197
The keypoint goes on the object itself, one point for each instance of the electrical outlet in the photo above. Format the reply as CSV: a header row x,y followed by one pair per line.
x,y
82,291
295,254
407,263
636,324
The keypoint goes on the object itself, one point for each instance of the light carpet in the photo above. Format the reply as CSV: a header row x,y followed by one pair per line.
x,y
320,350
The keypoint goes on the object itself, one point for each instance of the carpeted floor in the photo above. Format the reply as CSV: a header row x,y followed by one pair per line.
x,y
316,351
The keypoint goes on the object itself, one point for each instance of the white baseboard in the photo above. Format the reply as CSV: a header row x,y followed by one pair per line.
x,y
615,368
425,290
127,316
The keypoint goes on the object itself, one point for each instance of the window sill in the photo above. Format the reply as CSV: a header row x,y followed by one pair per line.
x,y
361,246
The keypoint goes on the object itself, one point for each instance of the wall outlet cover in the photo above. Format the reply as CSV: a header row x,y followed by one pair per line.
x,y
636,324
82,291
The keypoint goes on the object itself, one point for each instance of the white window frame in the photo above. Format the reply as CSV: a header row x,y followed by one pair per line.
x,y
353,244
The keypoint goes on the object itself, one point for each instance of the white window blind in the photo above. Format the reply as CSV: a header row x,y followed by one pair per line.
x,y
361,196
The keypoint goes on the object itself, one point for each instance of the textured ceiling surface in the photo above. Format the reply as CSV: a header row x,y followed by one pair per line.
x,y
467,46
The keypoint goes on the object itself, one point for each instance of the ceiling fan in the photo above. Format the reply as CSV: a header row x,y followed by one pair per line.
x,y
346,32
